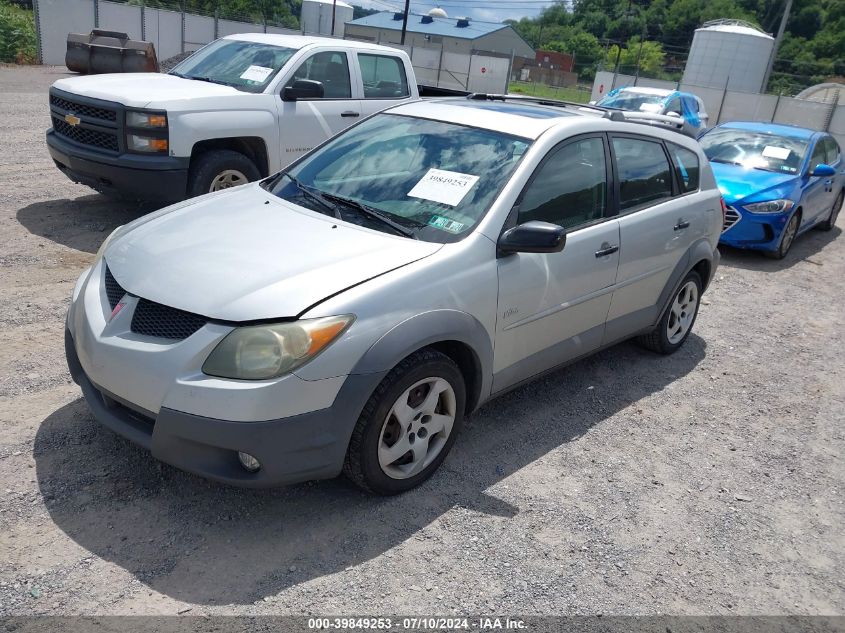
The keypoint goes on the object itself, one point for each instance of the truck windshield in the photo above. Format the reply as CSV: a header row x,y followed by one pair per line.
x,y
247,66
754,150
434,179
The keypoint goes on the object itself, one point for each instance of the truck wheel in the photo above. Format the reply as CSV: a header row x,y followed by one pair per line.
x,y
220,169
408,425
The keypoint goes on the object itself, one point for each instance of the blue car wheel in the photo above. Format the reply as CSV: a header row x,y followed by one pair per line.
x,y
787,237
834,213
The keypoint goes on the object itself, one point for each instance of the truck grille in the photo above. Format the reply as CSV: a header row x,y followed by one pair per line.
x,y
154,319
90,111
85,136
731,217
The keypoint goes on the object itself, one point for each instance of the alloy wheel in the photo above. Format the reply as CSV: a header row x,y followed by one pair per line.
x,y
789,234
226,179
682,312
417,428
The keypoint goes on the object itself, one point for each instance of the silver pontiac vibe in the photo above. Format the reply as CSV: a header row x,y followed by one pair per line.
x,y
346,314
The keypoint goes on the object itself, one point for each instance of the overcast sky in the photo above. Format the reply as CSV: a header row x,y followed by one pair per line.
x,y
487,10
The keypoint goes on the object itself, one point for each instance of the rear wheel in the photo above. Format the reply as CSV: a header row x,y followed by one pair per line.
x,y
677,322
220,169
834,213
408,425
786,238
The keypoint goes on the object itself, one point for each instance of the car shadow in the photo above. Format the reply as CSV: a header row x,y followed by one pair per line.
x,y
804,249
201,542
80,223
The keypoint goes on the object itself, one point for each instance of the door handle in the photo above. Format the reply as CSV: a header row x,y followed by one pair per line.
x,y
607,249
682,224
350,113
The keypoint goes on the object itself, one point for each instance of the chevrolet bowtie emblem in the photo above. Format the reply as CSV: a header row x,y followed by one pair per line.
x,y
72,119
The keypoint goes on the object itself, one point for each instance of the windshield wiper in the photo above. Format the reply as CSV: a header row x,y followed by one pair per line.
x,y
373,213
315,196
208,79
724,161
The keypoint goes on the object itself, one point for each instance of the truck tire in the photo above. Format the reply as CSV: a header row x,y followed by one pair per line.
x,y
220,169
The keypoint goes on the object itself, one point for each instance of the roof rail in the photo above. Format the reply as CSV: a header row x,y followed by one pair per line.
x,y
629,116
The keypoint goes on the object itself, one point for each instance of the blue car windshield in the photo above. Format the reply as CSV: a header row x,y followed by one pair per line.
x,y
635,101
430,180
754,150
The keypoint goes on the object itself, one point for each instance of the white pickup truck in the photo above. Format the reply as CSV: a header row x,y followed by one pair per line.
x,y
237,110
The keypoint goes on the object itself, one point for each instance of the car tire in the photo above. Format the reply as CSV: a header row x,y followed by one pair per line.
x,y
677,321
787,238
432,389
220,169
834,213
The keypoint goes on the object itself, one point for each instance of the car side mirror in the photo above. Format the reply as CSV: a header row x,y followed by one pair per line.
x,y
823,171
674,114
303,89
532,237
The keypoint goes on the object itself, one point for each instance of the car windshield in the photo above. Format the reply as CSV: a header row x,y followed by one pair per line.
x,y
636,101
754,150
247,66
433,180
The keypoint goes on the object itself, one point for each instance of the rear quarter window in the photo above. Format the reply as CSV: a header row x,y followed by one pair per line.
x,y
687,166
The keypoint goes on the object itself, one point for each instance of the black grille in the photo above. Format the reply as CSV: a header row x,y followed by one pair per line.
x,y
731,217
93,112
154,319
94,138
113,290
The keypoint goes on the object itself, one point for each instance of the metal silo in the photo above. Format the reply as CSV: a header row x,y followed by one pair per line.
x,y
729,53
316,17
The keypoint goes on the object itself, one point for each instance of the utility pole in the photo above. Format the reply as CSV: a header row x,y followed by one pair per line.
x,y
783,20
619,50
405,21
334,10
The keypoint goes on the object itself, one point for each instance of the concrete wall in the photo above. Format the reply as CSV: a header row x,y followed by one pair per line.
x,y
733,105
57,18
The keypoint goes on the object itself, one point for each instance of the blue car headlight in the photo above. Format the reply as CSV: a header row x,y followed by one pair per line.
x,y
770,206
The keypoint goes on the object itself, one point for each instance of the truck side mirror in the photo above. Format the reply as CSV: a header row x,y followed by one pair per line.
x,y
303,89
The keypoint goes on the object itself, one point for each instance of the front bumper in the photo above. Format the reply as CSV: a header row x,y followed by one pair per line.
x,y
154,178
758,231
291,450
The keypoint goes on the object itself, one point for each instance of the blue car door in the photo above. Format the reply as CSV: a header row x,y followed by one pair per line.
x,y
814,199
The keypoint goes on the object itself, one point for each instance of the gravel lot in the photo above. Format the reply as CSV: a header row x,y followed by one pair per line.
x,y
710,482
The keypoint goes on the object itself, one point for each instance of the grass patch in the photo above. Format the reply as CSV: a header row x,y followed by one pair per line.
x,y
578,95
17,34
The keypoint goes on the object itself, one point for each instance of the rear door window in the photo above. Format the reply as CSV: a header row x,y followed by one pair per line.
x,y
686,166
383,76
643,172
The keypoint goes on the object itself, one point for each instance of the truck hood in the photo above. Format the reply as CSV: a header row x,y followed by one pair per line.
x,y
137,90
244,255
736,183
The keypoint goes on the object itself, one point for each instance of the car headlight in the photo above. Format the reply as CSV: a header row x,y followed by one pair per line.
x,y
770,206
261,352
147,120
101,251
146,144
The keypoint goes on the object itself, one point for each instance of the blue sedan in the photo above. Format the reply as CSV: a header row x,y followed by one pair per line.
x,y
778,181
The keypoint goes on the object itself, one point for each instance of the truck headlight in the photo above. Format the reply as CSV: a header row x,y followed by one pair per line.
x,y
770,206
147,120
261,352
146,144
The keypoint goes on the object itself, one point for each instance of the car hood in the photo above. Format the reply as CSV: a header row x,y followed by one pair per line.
x,y
244,255
137,90
737,183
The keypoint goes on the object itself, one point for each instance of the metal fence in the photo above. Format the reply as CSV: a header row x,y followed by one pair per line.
x,y
731,105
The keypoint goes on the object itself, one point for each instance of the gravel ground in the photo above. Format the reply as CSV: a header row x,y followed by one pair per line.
x,y
710,482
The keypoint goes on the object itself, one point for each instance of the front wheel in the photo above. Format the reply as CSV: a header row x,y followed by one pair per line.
x,y
786,238
408,425
677,322
220,169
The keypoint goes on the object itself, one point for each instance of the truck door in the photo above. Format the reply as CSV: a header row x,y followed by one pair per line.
x,y
384,80
305,123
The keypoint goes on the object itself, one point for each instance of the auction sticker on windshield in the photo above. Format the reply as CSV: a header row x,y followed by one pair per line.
x,y
257,73
446,187
780,153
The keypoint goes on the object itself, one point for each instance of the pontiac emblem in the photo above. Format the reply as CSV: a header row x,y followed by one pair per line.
x,y
72,119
